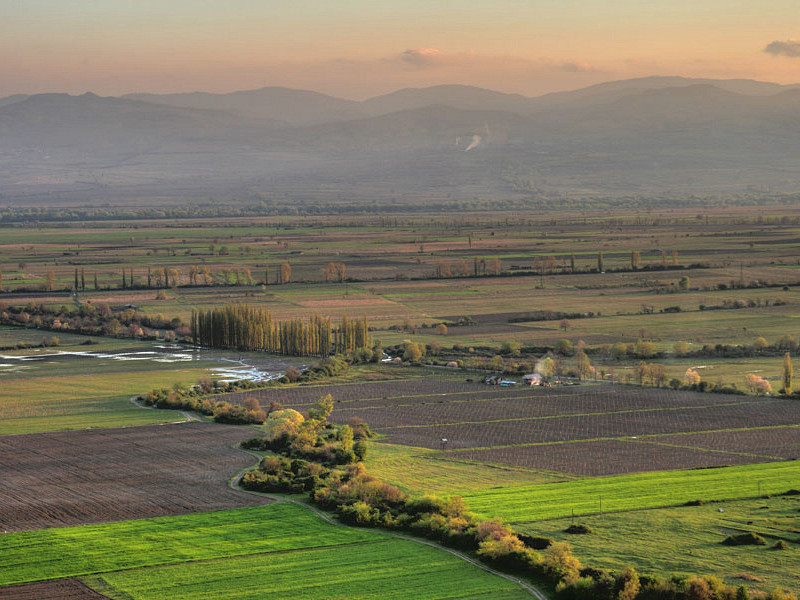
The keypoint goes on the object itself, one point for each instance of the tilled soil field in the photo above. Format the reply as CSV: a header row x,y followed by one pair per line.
x,y
58,589
522,426
777,442
610,457
92,476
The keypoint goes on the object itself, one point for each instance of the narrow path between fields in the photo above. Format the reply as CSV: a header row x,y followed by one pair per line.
x,y
233,483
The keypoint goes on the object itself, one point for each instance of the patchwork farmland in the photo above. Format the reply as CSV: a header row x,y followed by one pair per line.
x,y
585,430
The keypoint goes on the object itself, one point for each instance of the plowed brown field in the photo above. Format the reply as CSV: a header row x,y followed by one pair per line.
x,y
92,476
58,589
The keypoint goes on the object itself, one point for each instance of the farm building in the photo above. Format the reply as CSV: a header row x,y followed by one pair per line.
x,y
533,379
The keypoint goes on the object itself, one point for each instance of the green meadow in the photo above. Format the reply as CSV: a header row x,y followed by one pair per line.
x,y
276,551
634,492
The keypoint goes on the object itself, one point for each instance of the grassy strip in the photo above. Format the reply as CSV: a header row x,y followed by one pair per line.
x,y
390,569
75,551
634,492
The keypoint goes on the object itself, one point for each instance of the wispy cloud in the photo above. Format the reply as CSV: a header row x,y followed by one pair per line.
x,y
577,66
422,57
790,48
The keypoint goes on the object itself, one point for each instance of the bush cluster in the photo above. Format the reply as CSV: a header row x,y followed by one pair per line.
x,y
190,399
94,319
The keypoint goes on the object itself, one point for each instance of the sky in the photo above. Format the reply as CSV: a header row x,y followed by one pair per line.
x,y
361,48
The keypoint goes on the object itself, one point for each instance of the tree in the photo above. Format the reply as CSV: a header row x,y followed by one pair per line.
x,y
788,373
760,344
691,377
413,352
546,367
83,278
51,278
286,272
564,347
441,329
95,282
495,266
684,283
681,348
600,262
644,349
584,366
564,324
635,258
1,281
629,582
658,375
619,350
511,348
572,262
642,372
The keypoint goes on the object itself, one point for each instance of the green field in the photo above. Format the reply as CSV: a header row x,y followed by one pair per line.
x,y
79,392
422,471
634,492
283,548
378,570
687,540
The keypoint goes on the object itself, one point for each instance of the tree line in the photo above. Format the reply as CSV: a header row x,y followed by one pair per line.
x,y
249,327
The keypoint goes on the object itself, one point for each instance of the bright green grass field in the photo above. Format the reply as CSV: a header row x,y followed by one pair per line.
x,y
634,492
380,570
276,551
687,539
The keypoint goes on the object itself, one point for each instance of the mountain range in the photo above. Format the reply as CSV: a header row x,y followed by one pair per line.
x,y
655,135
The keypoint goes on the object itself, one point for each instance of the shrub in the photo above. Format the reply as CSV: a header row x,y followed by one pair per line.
x,y
780,545
578,528
744,539
535,542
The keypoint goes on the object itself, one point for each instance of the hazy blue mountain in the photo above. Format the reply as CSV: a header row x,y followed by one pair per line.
x,y
274,104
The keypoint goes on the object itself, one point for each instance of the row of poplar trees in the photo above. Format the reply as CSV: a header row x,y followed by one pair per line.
x,y
249,327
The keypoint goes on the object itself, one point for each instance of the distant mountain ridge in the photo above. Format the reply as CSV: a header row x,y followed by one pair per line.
x,y
651,134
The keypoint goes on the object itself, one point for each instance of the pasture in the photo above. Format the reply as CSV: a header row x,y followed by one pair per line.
x,y
687,539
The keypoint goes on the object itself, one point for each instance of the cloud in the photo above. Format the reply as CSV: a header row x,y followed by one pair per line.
x,y
422,57
577,66
790,48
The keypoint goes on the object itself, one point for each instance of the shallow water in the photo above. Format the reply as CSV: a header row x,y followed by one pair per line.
x,y
244,366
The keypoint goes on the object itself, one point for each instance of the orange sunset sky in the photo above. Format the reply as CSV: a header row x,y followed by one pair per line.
x,y
359,48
